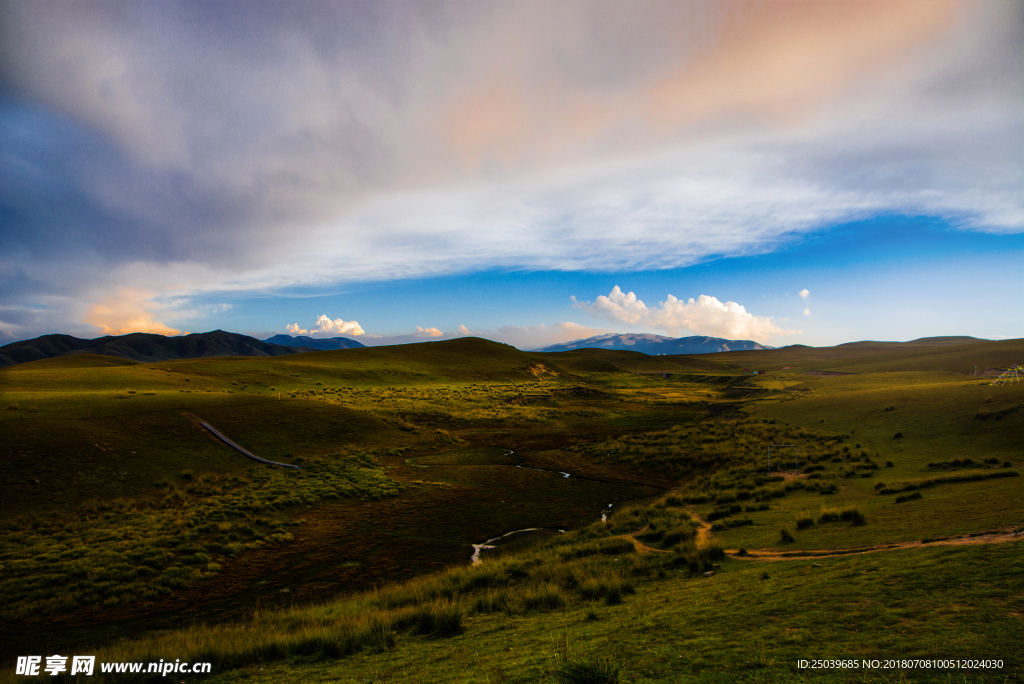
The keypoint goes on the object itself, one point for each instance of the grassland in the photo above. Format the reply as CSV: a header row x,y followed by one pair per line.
x,y
122,517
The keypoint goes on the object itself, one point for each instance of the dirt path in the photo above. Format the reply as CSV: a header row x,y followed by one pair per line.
x,y
999,536
704,533
992,537
639,545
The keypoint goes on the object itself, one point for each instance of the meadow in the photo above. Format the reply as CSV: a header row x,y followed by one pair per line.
x,y
130,532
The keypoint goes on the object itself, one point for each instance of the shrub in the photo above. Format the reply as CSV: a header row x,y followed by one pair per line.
x,y
729,524
593,671
898,435
828,517
909,497
888,464
803,523
785,536
447,619
853,516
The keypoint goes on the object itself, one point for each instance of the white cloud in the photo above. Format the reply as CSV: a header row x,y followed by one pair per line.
x,y
704,315
807,312
463,330
325,326
805,293
428,332
337,326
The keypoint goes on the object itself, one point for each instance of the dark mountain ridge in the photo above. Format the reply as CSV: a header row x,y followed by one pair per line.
x,y
143,347
322,344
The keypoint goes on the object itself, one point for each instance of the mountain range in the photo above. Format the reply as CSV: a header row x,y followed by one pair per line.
x,y
303,342
143,347
658,344
147,347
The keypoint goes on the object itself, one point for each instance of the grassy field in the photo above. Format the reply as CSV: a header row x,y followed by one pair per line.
x,y
131,533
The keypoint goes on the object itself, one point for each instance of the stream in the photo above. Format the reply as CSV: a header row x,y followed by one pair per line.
x,y
476,558
477,548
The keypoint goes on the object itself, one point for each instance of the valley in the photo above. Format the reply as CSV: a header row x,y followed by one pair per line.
x,y
131,530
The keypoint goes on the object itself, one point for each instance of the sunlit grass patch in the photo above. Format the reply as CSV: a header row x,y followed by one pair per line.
x,y
116,552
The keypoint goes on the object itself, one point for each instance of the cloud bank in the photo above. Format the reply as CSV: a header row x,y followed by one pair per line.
x,y
704,315
187,148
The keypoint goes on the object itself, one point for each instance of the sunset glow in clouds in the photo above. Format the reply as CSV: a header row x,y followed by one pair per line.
x,y
528,172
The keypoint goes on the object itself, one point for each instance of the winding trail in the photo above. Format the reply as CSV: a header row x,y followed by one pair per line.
x,y
704,535
772,555
244,452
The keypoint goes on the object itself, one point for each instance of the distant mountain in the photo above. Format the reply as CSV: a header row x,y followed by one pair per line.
x,y
142,347
658,344
313,343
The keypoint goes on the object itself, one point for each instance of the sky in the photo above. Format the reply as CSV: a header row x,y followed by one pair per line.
x,y
790,172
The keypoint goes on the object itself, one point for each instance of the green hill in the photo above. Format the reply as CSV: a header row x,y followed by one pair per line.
x,y
76,360
131,533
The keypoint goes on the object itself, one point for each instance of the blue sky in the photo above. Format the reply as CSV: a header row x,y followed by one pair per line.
x,y
804,172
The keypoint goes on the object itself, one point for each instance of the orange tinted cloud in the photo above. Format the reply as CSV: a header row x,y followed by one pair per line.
x,y
126,311
784,56
768,59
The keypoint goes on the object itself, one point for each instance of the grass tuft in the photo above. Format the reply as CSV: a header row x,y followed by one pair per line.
x,y
586,671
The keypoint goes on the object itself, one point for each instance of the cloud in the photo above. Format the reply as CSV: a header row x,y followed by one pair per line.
x,y
428,332
463,330
188,150
807,312
805,293
127,311
337,326
325,326
704,315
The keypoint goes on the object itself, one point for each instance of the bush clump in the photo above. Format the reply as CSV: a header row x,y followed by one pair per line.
x,y
586,671
850,515
785,536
